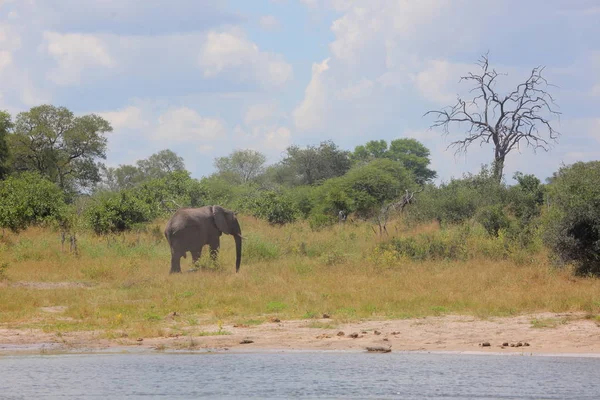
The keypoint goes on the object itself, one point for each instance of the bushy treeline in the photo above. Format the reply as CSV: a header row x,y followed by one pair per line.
x,y
50,174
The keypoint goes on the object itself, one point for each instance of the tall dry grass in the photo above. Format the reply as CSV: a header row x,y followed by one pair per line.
x,y
122,286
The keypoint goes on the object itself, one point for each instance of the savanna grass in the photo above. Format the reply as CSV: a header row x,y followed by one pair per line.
x,y
121,285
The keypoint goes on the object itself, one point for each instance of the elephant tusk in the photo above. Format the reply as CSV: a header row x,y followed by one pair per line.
x,y
237,234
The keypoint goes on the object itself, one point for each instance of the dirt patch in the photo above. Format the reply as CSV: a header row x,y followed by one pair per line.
x,y
49,285
577,335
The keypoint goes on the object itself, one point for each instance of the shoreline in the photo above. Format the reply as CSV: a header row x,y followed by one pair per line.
x,y
541,334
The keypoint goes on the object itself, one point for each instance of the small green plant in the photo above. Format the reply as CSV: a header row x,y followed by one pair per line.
x,y
149,316
259,249
547,322
276,306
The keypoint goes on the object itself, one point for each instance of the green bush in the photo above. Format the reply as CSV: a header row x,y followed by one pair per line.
x,y
320,221
273,207
493,218
29,199
573,223
458,200
117,212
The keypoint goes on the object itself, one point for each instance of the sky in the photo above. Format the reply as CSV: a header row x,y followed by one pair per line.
x,y
204,78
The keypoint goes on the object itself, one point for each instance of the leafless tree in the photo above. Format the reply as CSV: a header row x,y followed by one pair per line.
x,y
381,218
522,115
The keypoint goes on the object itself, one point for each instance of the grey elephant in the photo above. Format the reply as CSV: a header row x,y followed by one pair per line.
x,y
189,229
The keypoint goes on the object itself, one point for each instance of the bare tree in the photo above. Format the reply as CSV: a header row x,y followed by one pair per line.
x,y
504,121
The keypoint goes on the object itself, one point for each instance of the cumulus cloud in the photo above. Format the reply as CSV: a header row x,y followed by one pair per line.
x,y
130,117
308,115
186,125
73,53
232,53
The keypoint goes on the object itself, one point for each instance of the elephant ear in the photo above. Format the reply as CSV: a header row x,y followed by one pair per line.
x,y
220,219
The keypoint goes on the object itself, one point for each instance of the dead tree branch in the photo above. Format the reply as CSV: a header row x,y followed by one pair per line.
x,y
522,115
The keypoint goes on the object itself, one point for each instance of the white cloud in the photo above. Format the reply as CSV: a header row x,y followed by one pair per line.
x,y
269,23
356,91
231,52
186,125
269,139
127,118
308,115
438,81
73,54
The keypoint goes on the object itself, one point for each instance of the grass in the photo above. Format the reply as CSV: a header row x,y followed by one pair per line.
x,y
122,286
540,323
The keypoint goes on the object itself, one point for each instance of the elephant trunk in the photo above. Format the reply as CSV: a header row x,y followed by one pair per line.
x,y
238,252
237,236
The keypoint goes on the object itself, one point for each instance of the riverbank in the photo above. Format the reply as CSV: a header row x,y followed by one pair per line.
x,y
545,333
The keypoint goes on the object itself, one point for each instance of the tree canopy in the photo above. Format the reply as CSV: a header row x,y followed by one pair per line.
x,y
60,146
316,163
242,165
410,152
158,165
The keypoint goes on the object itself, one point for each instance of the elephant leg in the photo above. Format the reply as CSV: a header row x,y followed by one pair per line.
x,y
175,262
214,248
196,254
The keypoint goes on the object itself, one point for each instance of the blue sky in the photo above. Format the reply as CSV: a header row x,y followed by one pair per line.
x,y
204,78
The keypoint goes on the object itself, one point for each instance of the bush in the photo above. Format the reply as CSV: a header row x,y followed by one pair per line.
x,y
117,212
29,199
459,200
320,221
573,223
273,207
493,218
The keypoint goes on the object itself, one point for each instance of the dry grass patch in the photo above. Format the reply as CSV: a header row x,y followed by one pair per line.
x,y
122,286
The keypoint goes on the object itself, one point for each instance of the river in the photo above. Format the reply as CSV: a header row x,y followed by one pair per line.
x,y
273,375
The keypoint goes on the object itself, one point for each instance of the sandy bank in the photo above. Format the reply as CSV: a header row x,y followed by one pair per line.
x,y
566,333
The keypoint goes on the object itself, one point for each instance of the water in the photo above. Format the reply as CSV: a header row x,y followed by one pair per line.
x,y
301,374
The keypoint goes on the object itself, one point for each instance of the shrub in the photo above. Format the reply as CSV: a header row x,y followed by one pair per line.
x,y
320,221
573,223
493,218
117,212
273,207
29,199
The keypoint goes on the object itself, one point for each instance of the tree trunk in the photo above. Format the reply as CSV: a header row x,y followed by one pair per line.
x,y
498,167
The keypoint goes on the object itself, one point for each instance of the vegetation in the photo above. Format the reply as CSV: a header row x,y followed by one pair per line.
x,y
473,245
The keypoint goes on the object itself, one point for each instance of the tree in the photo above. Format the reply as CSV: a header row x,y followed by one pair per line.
x,y
158,165
316,163
243,165
414,156
5,126
505,121
60,146
573,223
161,164
410,152
371,150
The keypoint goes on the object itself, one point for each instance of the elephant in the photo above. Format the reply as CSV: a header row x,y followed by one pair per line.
x,y
189,229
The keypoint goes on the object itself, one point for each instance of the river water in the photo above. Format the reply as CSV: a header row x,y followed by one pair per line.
x,y
272,375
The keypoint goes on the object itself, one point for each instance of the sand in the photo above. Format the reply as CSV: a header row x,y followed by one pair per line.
x,y
556,334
